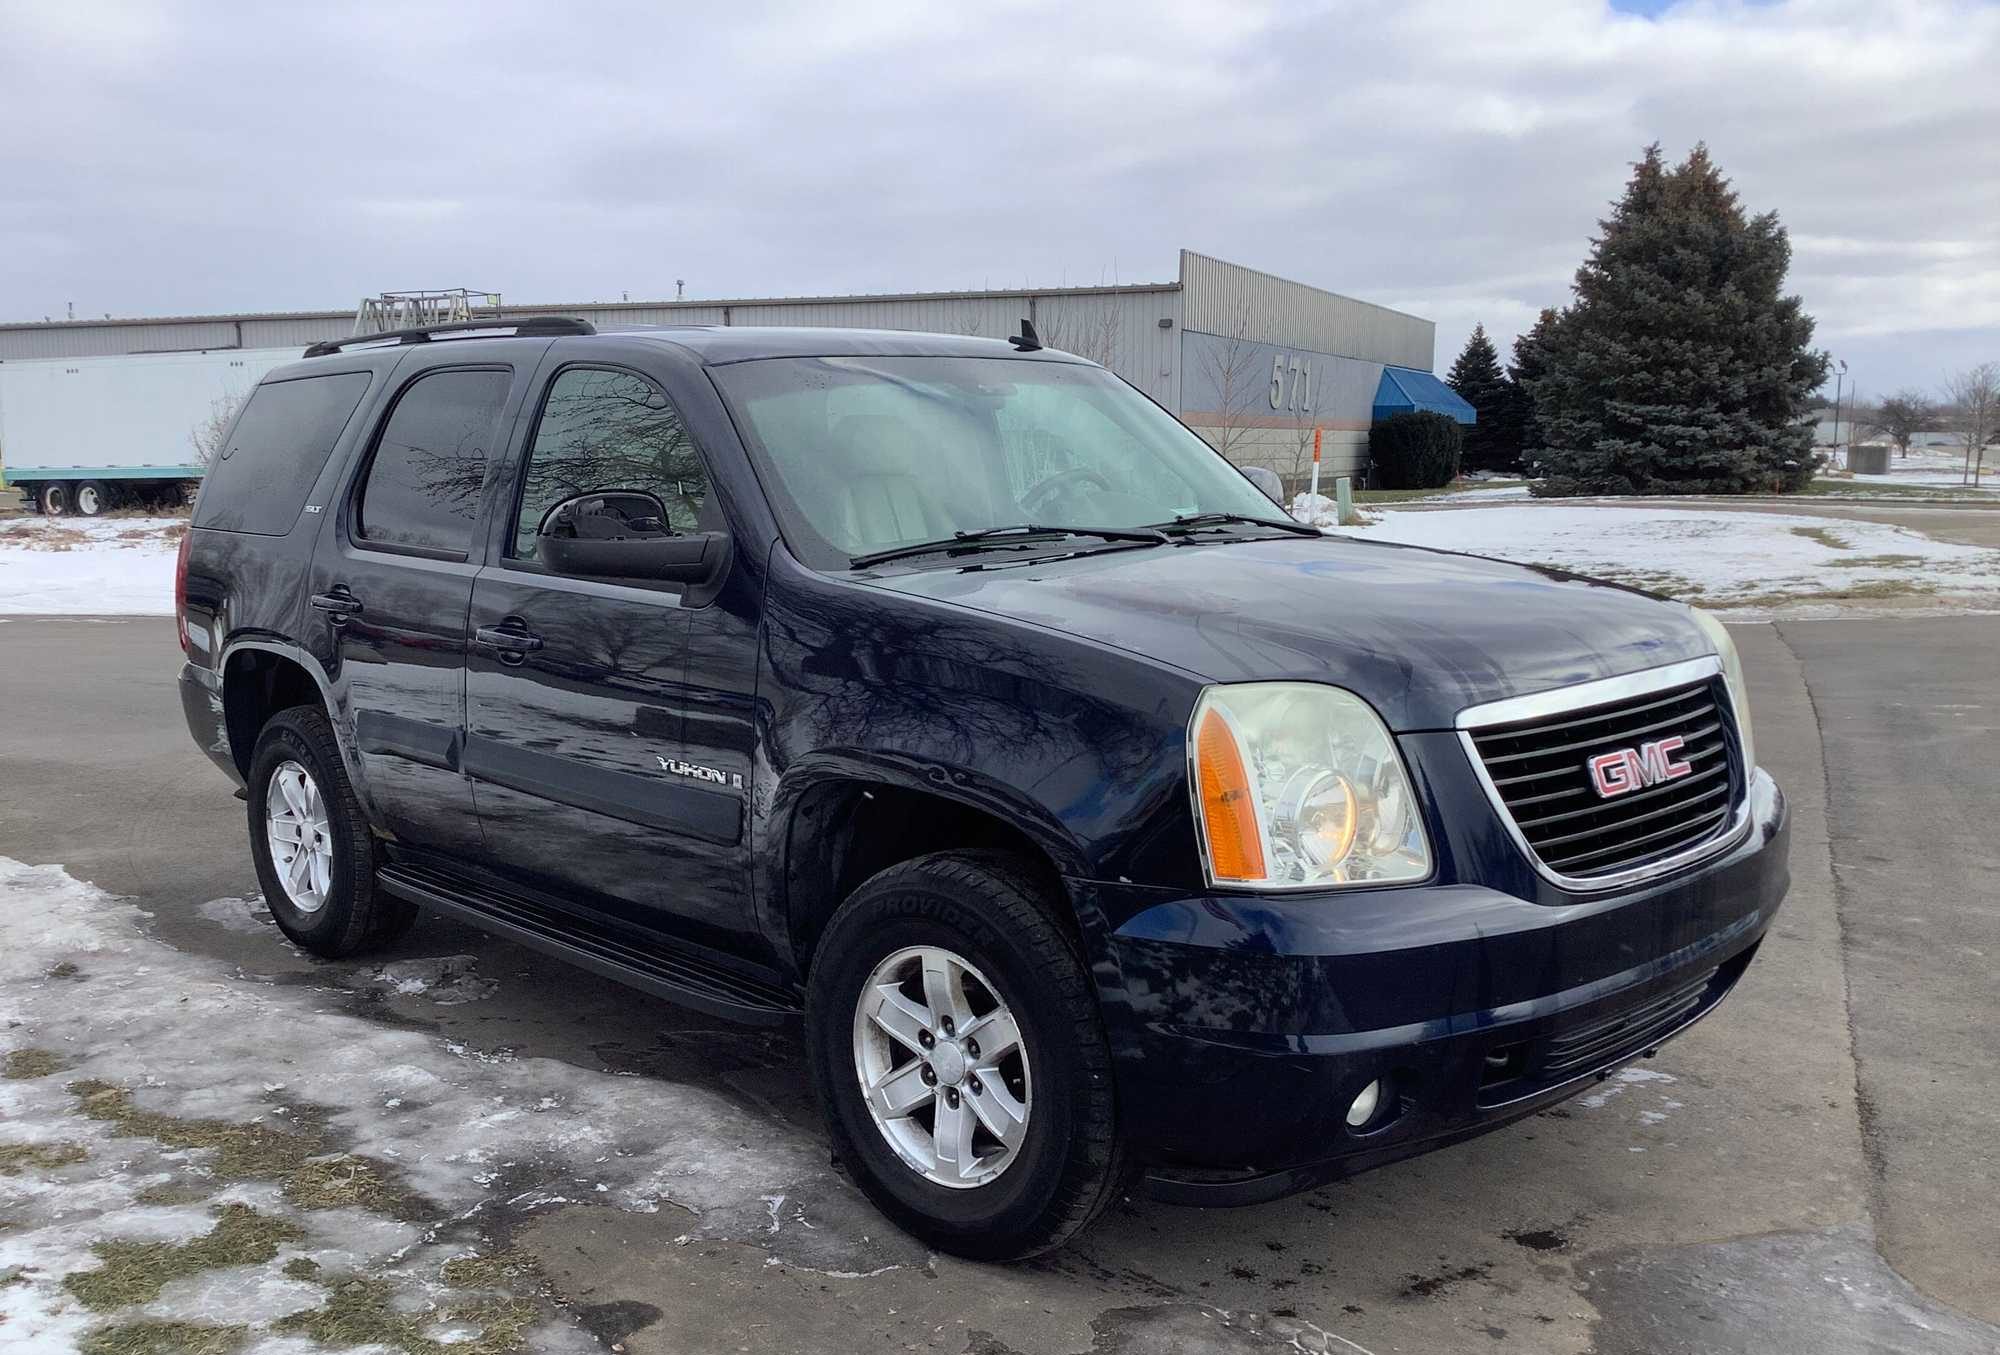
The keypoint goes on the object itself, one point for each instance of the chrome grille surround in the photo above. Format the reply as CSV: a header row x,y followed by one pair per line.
x,y
1581,698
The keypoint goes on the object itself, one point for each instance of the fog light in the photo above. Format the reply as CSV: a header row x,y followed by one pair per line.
x,y
1362,1109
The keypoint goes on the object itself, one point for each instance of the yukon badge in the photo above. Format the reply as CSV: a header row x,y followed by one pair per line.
x,y
1630,769
696,772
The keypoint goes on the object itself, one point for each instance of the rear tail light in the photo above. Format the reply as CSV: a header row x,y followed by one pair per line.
x,y
181,591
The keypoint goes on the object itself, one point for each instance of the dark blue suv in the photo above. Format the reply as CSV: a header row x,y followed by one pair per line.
x,y
1099,820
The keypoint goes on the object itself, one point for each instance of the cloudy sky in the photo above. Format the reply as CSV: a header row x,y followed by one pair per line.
x,y
1447,158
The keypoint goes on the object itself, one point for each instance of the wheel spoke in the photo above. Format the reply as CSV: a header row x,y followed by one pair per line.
x,y
288,831
1005,1118
905,1021
322,873
291,786
298,871
952,1133
901,1090
944,989
996,1034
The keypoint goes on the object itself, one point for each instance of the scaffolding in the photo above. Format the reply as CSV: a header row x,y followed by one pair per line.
x,y
424,310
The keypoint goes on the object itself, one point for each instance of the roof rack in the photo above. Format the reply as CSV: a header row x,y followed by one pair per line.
x,y
533,326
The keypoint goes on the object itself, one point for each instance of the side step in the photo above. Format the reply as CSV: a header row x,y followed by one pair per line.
x,y
652,967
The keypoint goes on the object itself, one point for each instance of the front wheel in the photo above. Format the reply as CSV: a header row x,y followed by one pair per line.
x,y
960,1058
54,499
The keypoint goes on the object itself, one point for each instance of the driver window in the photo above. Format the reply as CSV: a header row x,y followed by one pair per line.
x,y
1047,431
608,430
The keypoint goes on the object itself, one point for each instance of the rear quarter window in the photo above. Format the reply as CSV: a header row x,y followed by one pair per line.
x,y
275,452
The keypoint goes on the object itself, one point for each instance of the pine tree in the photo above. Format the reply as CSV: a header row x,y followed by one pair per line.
x,y
1494,442
1679,367
1529,364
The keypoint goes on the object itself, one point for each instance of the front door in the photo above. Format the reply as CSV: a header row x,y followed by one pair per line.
x,y
392,583
575,709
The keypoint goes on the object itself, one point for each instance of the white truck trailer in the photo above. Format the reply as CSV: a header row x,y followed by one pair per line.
x,y
82,435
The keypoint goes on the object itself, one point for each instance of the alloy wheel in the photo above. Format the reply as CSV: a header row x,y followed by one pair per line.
x,y
295,825
943,1069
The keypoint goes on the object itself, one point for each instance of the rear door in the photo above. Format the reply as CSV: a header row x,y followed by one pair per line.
x,y
392,582
576,688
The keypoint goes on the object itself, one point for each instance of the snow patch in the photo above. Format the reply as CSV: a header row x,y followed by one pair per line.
x,y
102,566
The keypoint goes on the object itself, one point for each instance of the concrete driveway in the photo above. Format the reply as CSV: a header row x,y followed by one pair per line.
x,y
1810,1170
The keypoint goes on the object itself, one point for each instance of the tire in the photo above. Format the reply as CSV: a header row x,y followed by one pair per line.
x,y
54,499
337,911
990,913
93,498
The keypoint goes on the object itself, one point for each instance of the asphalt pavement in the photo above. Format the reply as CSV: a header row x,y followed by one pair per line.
x,y
1812,1169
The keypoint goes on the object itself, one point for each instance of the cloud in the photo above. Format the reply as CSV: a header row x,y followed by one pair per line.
x,y
1450,158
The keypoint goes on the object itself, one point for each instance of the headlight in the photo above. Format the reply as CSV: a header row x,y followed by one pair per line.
x,y
1299,786
1732,675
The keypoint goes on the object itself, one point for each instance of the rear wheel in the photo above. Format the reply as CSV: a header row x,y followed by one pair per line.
x,y
960,1058
310,840
92,498
54,499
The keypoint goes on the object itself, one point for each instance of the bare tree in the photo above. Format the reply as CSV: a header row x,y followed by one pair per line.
x,y
1093,332
1241,381
1974,396
207,435
1901,417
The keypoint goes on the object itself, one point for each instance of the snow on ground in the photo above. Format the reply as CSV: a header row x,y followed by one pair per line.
x,y
70,566
131,1072
1714,557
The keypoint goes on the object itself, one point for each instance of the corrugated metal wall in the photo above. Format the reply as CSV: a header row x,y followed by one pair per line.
x,y
1119,327
1226,299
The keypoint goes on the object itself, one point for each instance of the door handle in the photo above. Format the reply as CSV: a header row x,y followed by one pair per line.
x,y
510,638
338,603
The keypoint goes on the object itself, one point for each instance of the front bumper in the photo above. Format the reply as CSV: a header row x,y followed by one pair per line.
x,y
1242,1026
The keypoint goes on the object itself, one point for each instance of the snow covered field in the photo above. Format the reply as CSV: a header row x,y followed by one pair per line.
x,y
67,567
185,1141
1718,558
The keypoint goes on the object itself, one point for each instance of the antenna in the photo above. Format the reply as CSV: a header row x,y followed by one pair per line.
x,y
1027,340
680,288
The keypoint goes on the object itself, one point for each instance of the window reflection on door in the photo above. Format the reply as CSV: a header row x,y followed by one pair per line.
x,y
601,430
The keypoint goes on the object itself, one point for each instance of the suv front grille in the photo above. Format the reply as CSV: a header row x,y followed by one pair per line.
x,y
1539,769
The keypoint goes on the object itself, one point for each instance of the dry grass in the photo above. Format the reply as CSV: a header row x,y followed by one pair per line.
x,y
314,1173
44,1156
162,1338
1822,536
361,1311
136,1272
23,1064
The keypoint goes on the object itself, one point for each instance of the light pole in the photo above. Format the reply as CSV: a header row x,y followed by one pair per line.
x,y
1837,380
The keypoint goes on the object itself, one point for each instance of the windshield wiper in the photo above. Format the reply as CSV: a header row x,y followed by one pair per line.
x,y
1185,522
1003,536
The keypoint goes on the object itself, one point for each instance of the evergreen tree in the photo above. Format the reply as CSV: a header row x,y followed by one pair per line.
x,y
1529,364
1494,442
1680,367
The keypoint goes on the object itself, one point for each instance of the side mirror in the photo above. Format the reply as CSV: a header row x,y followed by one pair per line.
x,y
1267,480
624,534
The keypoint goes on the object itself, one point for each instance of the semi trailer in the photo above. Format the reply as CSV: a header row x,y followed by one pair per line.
x,y
84,435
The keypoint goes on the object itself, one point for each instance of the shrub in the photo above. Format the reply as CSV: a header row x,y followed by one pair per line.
x,y
1415,451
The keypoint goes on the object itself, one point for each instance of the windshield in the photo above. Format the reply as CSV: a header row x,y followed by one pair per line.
x,y
861,455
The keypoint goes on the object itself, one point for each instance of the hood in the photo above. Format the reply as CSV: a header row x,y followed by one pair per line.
x,y
1419,633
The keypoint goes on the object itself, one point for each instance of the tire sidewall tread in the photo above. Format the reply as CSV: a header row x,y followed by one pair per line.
x,y
988,908
356,916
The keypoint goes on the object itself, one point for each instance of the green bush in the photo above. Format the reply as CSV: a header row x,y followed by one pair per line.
x,y
1415,451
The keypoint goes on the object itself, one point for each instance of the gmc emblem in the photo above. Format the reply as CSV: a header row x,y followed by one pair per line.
x,y
1630,769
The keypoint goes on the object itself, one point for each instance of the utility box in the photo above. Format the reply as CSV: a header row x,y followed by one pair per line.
x,y
1869,458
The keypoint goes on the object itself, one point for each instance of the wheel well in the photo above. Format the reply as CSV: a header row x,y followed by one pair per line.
x,y
844,832
256,685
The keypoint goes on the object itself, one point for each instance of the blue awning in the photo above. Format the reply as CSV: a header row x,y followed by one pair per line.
x,y
1404,389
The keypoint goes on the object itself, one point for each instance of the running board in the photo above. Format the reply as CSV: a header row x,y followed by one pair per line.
x,y
651,967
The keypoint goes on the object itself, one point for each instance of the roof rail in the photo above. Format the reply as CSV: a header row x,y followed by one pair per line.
x,y
533,326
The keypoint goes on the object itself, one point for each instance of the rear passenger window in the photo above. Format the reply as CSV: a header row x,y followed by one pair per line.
x,y
430,461
602,429
276,450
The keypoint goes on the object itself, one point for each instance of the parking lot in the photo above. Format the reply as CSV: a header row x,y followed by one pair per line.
x,y
1809,1170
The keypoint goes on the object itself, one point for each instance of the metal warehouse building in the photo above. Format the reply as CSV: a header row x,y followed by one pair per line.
x,y
1256,363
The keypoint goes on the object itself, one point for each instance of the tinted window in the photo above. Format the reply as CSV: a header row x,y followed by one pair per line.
x,y
430,461
275,452
608,430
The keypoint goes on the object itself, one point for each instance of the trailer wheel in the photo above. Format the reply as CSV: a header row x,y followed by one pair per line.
x,y
92,498
54,500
